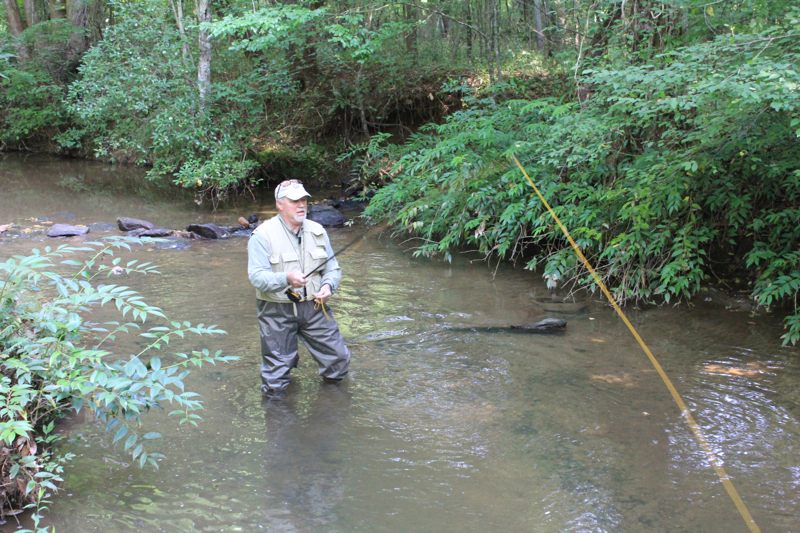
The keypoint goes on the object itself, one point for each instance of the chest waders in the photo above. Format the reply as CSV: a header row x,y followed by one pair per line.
x,y
281,323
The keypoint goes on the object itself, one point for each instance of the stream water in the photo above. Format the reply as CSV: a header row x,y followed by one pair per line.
x,y
437,430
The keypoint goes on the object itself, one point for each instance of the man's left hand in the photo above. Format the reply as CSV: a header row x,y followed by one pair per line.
x,y
324,293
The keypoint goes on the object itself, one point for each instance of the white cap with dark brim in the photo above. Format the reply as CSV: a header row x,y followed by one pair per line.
x,y
293,191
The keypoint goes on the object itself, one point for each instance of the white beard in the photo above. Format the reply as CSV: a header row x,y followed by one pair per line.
x,y
300,218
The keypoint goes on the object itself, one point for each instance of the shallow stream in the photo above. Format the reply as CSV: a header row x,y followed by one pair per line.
x,y
437,430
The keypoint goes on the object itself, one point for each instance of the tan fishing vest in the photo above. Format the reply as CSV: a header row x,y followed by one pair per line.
x,y
287,256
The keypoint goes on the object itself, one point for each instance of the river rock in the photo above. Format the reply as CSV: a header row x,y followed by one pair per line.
x,y
548,324
65,230
173,244
130,224
68,216
241,232
326,215
102,226
156,232
207,231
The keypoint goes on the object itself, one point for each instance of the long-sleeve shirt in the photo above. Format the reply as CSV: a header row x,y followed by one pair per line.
x,y
264,279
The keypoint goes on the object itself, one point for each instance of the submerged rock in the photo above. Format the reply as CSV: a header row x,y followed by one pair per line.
x,y
102,226
239,232
66,230
207,231
326,215
548,324
130,224
173,244
157,232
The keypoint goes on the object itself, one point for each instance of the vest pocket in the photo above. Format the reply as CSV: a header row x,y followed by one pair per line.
x,y
318,256
290,261
319,237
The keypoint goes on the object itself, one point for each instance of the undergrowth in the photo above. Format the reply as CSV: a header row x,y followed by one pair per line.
x,y
54,360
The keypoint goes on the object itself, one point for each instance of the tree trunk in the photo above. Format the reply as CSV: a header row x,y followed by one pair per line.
x,y
537,21
177,10
469,31
455,39
309,71
30,12
411,36
496,36
15,28
83,15
204,63
58,9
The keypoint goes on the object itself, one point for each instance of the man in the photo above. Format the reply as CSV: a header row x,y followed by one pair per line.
x,y
280,252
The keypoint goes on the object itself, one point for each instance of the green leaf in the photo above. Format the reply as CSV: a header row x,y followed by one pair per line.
x,y
121,432
131,441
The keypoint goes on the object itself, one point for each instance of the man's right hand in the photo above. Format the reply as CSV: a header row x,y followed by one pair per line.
x,y
296,279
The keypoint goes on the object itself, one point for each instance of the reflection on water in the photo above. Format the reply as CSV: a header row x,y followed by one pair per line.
x,y
438,429
304,458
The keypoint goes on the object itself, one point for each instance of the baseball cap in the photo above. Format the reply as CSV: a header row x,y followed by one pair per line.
x,y
291,189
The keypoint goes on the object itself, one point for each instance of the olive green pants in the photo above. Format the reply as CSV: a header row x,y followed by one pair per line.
x,y
280,327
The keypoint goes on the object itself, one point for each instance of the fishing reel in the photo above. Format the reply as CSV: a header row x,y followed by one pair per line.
x,y
293,296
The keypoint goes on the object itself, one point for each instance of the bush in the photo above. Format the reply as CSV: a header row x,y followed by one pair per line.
x,y
52,361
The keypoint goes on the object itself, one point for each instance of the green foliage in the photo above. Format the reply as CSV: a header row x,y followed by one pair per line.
x,y
32,93
30,104
53,359
136,101
670,171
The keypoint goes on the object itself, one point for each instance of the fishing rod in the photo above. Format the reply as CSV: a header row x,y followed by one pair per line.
x,y
294,296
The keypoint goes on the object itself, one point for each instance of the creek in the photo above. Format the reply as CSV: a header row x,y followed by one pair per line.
x,y
440,428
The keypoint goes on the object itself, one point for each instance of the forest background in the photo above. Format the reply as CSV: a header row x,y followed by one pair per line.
x,y
665,134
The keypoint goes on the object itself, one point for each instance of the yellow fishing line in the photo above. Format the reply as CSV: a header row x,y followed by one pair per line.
x,y
712,458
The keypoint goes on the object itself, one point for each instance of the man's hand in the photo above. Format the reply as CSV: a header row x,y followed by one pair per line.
x,y
324,293
296,279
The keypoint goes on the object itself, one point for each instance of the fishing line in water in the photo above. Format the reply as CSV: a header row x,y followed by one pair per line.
x,y
712,458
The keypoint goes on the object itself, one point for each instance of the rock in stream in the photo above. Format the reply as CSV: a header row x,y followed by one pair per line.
x,y
66,230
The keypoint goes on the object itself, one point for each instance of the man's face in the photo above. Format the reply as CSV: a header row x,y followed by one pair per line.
x,y
293,211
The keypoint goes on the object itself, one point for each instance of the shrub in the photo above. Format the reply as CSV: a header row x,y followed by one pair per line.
x,y
53,360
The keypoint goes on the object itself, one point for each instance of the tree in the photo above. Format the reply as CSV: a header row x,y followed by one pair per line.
x,y
204,63
15,28
83,15
31,14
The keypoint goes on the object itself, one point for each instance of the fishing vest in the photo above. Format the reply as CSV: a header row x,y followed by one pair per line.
x,y
285,255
